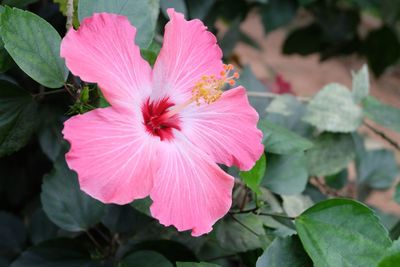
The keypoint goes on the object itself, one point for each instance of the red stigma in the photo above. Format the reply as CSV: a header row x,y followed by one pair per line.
x,y
156,119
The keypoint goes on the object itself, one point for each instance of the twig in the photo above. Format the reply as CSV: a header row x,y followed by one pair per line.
x,y
256,212
43,93
70,13
94,241
273,95
323,188
244,226
383,135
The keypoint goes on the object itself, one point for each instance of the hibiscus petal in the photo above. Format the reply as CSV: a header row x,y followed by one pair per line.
x,y
103,51
190,191
226,129
189,51
112,155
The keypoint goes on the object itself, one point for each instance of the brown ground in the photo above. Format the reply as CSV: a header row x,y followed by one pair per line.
x,y
307,75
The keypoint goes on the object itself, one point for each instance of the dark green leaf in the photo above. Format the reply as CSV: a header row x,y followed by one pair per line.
x,y
145,258
360,88
382,49
230,38
253,177
284,252
337,181
298,41
18,3
333,110
277,13
64,202
305,2
12,235
286,174
35,46
279,140
377,168
142,14
341,232
41,228
241,232
18,113
199,9
124,219
55,253
143,205
330,154
178,5
195,264
383,114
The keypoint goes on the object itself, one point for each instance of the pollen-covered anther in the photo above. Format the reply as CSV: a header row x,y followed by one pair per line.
x,y
209,88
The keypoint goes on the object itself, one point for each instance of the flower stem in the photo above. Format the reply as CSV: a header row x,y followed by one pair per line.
x,y
70,13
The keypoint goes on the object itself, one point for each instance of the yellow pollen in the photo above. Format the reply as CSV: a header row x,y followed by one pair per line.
x,y
209,88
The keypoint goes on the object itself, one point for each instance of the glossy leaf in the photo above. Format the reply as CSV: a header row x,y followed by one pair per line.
x,y
284,252
18,112
286,174
142,14
253,177
341,232
279,140
333,110
392,256
35,46
65,204
330,154
381,113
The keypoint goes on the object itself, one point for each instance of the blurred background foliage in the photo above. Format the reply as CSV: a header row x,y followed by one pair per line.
x,y
315,151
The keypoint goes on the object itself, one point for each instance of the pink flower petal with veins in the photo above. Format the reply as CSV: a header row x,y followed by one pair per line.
x,y
155,140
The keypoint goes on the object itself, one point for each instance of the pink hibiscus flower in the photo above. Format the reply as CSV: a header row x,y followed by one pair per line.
x,y
167,128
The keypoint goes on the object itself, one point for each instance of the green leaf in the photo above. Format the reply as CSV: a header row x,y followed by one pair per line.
x,y
199,9
284,252
18,113
41,228
241,232
142,14
196,264
330,154
392,256
35,46
253,177
178,5
305,2
145,258
333,110
57,252
298,40
338,180
150,54
382,48
342,232
12,235
286,174
360,88
279,140
18,3
65,204
376,168
383,114
277,13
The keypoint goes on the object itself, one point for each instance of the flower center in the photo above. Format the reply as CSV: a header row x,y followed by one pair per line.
x,y
157,120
